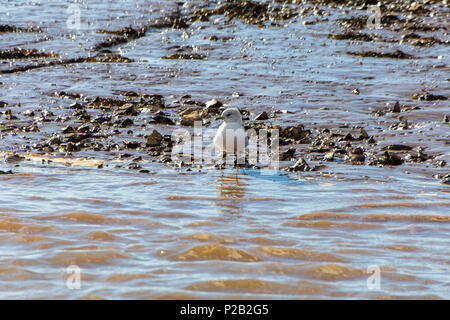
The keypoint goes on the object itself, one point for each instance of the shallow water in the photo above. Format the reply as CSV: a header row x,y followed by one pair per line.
x,y
207,233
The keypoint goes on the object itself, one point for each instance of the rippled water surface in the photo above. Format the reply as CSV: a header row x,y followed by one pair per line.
x,y
168,232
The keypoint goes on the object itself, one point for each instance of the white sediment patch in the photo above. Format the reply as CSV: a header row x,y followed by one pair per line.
x,y
75,162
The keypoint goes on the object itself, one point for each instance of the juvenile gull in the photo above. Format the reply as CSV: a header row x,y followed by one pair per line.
x,y
231,136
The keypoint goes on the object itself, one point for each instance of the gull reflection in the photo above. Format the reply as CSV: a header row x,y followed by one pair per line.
x,y
231,188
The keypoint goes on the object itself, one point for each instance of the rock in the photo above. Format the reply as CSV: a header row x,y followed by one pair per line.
x,y
300,165
76,106
131,144
47,114
3,104
131,94
426,96
101,119
262,116
418,156
329,156
213,107
397,147
389,159
445,119
348,137
445,179
356,91
287,155
357,158
396,108
84,129
154,101
297,133
134,166
77,137
67,129
126,123
188,118
160,119
56,140
214,103
154,139
364,134
14,158
125,110
28,113
402,125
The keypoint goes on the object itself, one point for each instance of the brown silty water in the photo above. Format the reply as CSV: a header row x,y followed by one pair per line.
x,y
87,189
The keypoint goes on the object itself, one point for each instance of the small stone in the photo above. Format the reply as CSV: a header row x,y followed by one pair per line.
x,y
300,165
47,114
389,159
445,179
396,108
67,129
56,140
76,105
214,103
189,116
397,147
287,155
348,137
356,91
134,166
77,137
262,116
84,129
426,96
28,113
154,139
364,134
14,158
213,107
357,158
126,123
126,110
446,119
329,156
163,120
131,144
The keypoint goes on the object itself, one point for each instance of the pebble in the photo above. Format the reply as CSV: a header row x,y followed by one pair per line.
x,y
154,139
300,165
262,116
396,108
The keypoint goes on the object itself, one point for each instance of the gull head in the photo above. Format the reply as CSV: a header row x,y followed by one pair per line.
x,y
231,115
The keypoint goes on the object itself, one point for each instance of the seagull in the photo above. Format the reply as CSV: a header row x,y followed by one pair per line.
x,y
231,136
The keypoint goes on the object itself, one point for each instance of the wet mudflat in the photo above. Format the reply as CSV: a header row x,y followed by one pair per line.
x,y
86,118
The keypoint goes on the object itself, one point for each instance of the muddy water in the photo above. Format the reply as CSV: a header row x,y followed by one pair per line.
x,y
172,233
